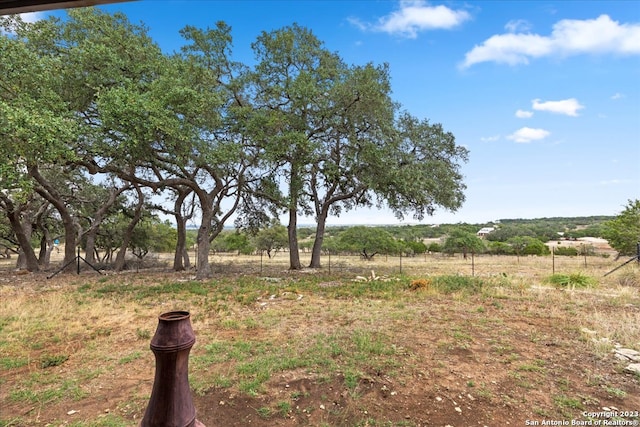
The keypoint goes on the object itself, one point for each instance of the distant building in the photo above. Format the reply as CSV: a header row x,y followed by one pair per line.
x,y
484,231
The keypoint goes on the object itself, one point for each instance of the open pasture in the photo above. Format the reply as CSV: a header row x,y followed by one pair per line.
x,y
422,341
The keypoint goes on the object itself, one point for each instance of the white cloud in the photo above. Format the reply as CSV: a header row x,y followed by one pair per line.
x,y
525,134
522,114
415,16
617,96
517,25
510,49
32,16
490,138
568,107
615,181
568,37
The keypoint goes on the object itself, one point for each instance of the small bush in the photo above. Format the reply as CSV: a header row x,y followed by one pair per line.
x,y
451,284
264,412
565,251
53,360
575,280
434,247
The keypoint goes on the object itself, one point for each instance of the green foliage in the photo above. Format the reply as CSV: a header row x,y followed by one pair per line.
x,y
434,247
106,420
568,403
11,363
452,284
545,229
591,230
422,169
35,123
48,361
272,239
499,248
528,246
506,232
305,232
464,242
574,280
234,242
367,241
341,139
283,408
565,251
623,232
412,247
535,247
151,235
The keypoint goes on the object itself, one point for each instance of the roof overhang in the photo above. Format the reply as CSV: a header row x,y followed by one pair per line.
x,y
9,7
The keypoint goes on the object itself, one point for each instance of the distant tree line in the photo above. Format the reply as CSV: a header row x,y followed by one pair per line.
x,y
511,237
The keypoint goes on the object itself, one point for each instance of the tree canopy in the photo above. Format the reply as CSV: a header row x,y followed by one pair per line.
x,y
623,232
367,241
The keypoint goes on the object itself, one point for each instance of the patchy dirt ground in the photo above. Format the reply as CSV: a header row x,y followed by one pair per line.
x,y
527,368
512,357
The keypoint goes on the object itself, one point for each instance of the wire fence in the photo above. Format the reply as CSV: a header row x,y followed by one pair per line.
x,y
423,265
419,265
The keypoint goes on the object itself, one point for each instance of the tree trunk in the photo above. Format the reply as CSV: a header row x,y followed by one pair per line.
x,y
322,213
292,231
69,239
204,244
90,247
181,256
99,217
46,241
50,194
120,257
26,257
185,258
46,247
316,251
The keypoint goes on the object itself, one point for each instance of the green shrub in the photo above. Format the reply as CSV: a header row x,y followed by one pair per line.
x,y
575,280
451,284
434,247
49,361
500,248
565,251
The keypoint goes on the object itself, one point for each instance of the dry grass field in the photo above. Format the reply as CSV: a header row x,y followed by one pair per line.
x,y
423,341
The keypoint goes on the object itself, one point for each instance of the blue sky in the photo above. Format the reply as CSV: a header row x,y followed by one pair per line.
x,y
544,94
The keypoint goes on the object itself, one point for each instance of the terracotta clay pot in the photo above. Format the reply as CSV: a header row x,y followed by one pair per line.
x,y
171,404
